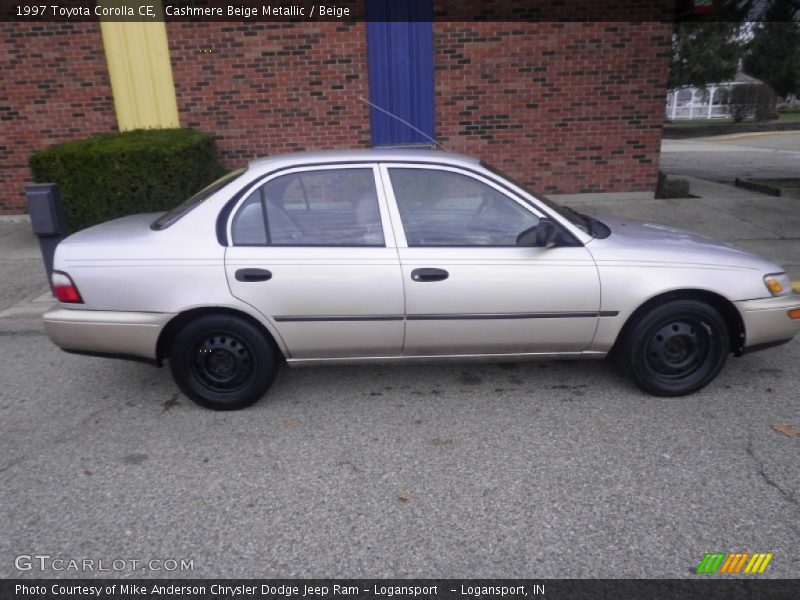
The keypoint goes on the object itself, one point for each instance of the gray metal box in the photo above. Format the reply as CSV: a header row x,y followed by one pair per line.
x,y
45,209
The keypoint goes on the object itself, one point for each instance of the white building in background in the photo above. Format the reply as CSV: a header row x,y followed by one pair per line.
x,y
710,102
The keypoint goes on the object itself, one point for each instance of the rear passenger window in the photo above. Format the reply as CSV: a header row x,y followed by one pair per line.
x,y
330,207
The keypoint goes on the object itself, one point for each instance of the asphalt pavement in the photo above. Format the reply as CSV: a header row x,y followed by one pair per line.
x,y
724,158
543,469
551,469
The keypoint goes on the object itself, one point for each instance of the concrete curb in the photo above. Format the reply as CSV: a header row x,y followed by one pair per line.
x,y
15,219
35,304
677,132
748,135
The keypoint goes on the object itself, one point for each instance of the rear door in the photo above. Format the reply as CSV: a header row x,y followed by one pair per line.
x,y
469,288
312,250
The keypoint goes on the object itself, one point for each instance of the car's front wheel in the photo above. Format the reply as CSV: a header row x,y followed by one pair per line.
x,y
676,348
222,362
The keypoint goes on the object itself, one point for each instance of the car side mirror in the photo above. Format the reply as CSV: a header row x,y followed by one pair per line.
x,y
543,235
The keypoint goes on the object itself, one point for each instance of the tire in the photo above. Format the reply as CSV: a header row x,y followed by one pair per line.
x,y
222,362
676,348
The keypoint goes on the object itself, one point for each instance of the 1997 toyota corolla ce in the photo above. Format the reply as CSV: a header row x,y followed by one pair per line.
x,y
398,255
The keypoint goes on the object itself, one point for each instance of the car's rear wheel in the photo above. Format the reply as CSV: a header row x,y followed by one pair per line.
x,y
222,362
675,349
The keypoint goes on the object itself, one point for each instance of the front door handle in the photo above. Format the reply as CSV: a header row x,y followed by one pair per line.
x,y
429,274
253,275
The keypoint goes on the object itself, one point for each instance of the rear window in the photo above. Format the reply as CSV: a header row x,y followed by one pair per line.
x,y
171,216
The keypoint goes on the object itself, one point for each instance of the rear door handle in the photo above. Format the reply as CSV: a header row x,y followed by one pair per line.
x,y
429,274
253,275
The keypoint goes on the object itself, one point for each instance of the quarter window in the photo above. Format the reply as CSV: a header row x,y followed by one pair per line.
x,y
443,208
248,225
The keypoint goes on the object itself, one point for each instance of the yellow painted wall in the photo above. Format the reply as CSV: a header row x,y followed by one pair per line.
x,y
141,74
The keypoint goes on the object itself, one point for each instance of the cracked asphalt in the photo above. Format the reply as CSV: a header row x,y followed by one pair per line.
x,y
551,469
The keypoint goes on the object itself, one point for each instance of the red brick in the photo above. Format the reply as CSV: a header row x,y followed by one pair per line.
x,y
55,89
565,107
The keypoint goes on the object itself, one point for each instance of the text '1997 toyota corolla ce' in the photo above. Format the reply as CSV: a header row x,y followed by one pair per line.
x,y
395,255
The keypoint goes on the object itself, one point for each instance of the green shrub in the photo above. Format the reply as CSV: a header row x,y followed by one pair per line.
x,y
752,100
118,174
671,188
765,106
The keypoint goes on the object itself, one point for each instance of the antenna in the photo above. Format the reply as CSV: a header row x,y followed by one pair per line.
x,y
403,121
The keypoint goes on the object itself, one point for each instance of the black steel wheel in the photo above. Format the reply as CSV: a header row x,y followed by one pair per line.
x,y
222,362
676,348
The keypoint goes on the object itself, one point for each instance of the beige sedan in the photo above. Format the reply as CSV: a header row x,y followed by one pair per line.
x,y
398,255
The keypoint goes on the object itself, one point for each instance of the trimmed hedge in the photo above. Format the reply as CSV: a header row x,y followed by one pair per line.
x,y
118,174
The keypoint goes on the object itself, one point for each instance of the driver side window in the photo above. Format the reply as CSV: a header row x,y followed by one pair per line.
x,y
443,208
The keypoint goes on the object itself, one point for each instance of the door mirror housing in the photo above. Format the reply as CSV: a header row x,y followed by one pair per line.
x,y
543,235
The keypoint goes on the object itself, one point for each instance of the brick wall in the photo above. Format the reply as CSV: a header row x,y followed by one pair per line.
x,y
567,107
264,88
54,87
564,107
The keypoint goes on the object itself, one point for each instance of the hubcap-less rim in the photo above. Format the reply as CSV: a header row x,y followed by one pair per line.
x,y
222,363
678,348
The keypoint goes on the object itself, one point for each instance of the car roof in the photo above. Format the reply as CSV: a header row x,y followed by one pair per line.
x,y
268,163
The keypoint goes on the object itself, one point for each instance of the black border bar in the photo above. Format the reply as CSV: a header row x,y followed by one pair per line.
x,y
740,588
241,11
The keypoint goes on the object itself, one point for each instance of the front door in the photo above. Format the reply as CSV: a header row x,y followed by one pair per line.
x,y
313,252
469,288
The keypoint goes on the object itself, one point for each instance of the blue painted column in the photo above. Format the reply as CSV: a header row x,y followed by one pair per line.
x,y
400,58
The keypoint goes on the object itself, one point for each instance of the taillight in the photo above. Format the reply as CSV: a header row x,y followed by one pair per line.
x,y
65,289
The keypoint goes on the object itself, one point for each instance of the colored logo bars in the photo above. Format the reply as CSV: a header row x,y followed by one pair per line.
x,y
720,562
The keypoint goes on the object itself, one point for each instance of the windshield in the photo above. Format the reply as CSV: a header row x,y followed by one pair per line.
x,y
580,221
171,216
